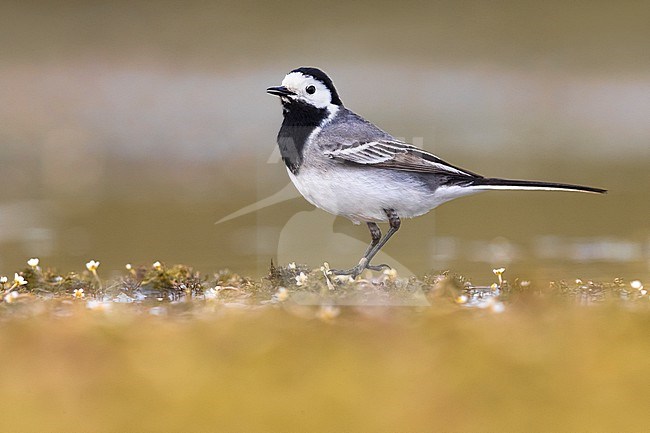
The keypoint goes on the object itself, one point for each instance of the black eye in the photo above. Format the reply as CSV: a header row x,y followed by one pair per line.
x,y
310,90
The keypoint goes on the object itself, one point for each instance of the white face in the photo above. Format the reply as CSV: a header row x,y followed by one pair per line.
x,y
307,89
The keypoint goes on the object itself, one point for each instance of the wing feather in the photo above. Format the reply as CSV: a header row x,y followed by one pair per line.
x,y
395,155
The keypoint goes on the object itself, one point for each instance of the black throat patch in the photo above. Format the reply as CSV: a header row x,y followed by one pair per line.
x,y
300,120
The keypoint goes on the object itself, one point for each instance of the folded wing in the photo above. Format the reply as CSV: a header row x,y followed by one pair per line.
x,y
396,155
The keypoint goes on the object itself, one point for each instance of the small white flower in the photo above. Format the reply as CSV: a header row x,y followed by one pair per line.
x,y
499,272
128,266
462,299
292,265
19,280
33,262
92,265
282,294
578,281
78,293
643,292
157,265
524,283
3,279
636,284
301,279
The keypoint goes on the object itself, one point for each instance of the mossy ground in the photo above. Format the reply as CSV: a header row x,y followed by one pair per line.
x,y
168,349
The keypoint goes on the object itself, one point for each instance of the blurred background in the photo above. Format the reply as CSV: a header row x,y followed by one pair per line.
x,y
127,129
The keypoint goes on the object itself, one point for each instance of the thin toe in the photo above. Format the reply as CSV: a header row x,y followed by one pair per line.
x,y
354,272
381,267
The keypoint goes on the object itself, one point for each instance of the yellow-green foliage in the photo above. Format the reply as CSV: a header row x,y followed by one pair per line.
x,y
223,353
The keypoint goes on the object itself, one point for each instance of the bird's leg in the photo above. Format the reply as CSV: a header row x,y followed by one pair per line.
x,y
374,247
375,234
395,223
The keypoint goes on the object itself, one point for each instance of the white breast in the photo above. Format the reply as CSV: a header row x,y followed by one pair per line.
x,y
362,194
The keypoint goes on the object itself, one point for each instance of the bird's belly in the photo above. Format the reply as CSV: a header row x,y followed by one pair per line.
x,y
363,195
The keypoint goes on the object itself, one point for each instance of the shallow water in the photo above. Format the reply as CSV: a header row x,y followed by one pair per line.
x,y
128,144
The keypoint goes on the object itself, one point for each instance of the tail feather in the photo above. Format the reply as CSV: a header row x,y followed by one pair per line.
x,y
485,183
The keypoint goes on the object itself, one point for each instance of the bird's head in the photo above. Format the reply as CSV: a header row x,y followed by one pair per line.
x,y
309,86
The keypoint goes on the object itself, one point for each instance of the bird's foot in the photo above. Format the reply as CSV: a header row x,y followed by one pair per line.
x,y
381,267
353,272
356,271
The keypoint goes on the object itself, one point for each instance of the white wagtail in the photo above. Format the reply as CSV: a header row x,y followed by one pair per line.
x,y
347,166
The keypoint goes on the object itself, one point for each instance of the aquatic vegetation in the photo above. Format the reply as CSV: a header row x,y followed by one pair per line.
x,y
296,284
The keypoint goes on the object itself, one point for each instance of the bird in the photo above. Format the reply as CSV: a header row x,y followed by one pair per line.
x,y
349,167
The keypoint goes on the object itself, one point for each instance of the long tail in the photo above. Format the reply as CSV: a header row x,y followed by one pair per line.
x,y
486,183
